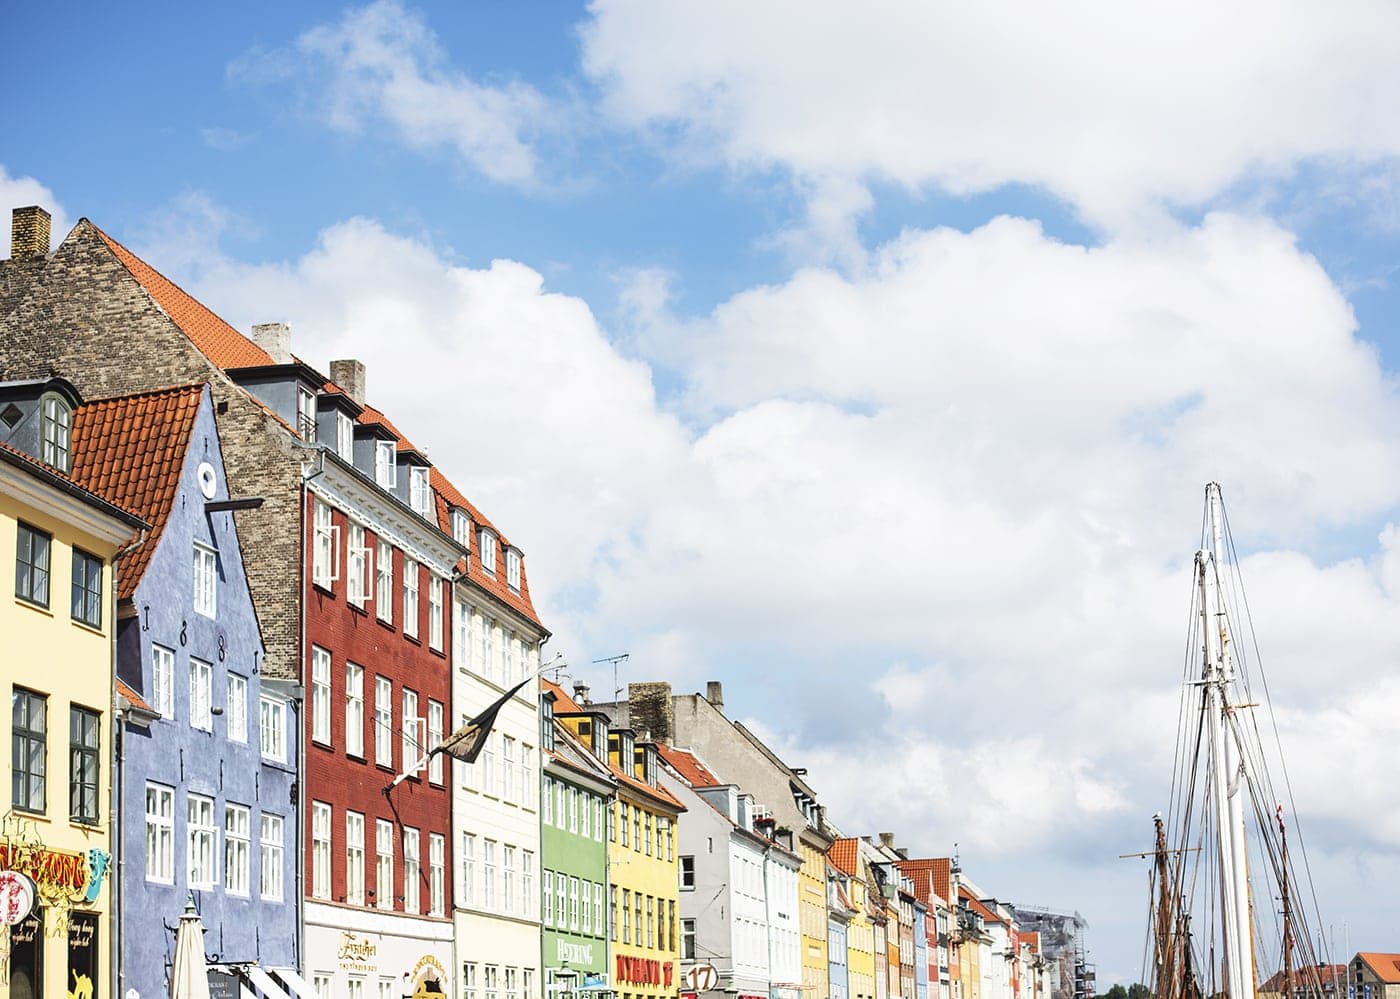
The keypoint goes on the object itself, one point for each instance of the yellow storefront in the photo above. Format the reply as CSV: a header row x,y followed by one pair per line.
x,y
644,883
57,541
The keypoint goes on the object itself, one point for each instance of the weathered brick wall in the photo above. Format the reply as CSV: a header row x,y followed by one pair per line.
x,y
81,314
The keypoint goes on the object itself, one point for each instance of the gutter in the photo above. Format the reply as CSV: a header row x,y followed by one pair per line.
x,y
115,839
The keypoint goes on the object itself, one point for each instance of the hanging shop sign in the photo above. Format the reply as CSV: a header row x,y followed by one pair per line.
x,y
17,895
429,978
57,873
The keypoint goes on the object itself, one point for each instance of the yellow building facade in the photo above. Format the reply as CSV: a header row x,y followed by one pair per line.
x,y
643,875
813,919
860,943
57,543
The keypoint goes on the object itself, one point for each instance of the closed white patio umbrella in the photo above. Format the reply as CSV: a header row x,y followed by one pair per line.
x,y
189,977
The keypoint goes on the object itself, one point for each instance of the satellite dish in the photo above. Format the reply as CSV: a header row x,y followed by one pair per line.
x,y
208,479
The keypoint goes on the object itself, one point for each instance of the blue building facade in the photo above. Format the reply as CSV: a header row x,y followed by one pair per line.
x,y
839,980
921,982
207,757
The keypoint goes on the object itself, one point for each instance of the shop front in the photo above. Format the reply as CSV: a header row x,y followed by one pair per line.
x,y
380,956
575,967
54,911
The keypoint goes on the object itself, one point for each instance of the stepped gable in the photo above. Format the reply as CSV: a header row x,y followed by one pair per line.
x,y
132,448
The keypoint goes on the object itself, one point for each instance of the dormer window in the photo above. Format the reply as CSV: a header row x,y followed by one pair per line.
x,y
345,436
56,425
306,413
513,570
386,469
486,542
420,496
461,528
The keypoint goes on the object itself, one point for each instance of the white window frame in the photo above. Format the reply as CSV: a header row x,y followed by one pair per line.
x,y
272,728
354,858
461,527
507,878
200,837
356,561
238,843
513,570
547,887
354,709
56,431
386,463
412,731
320,695
345,436
163,680
160,833
547,802
306,413
527,884
488,875
201,695
383,721
507,768
320,850
420,492
461,633
325,552
412,874
410,597
384,864
486,550
271,854
435,586
435,733
206,580
384,582
236,710
468,868
437,870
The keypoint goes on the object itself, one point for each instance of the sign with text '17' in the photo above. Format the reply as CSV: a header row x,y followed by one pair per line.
x,y
701,978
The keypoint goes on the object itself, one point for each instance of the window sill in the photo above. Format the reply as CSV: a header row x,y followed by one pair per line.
x,y
385,622
413,638
96,629
34,605
358,608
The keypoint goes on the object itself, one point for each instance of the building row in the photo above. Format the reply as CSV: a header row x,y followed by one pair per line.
x,y
279,611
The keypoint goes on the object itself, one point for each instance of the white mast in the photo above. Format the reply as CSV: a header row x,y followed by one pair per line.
x,y
1227,778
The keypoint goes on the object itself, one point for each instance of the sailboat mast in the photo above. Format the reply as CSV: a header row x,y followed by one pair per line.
x,y
1227,784
1287,910
1166,918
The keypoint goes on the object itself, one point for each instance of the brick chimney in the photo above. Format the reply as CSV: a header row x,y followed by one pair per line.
x,y
714,693
651,710
349,374
276,339
29,233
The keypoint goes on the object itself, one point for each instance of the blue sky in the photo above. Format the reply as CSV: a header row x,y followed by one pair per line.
x,y
873,366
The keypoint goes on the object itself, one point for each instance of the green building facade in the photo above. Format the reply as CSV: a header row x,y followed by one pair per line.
x,y
575,799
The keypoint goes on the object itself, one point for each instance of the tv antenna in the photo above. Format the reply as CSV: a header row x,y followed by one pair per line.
x,y
620,657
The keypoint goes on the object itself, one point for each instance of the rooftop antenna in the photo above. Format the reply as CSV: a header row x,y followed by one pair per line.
x,y
558,664
617,688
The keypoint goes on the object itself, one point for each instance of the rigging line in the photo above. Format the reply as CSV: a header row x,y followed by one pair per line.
x,y
1278,739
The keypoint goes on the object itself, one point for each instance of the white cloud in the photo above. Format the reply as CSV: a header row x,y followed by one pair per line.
x,y
932,522
18,192
1116,108
382,66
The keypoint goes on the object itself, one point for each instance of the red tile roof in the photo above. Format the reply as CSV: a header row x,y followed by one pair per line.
x,y
845,854
562,701
1386,966
101,500
228,348
133,698
132,449
938,871
692,770
216,339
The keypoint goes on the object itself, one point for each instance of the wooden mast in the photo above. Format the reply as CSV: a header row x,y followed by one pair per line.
x,y
1287,910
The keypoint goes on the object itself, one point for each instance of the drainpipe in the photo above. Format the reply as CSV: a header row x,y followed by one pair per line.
x,y
114,836
300,776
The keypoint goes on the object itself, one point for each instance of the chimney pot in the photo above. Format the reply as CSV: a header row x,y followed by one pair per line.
x,y
29,233
276,340
887,840
581,692
349,374
714,693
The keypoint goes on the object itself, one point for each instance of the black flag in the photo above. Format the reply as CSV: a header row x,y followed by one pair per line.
x,y
467,742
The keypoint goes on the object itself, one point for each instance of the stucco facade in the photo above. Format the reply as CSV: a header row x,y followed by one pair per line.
x,y
58,671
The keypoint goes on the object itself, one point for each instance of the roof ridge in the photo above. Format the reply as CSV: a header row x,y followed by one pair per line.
x,y
147,393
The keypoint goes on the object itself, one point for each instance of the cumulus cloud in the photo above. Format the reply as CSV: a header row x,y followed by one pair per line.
x,y
1119,109
931,521
382,65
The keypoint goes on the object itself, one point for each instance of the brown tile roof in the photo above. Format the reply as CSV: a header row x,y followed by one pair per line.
x,y
133,698
132,448
1330,975
1386,966
216,339
938,870
692,770
845,854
